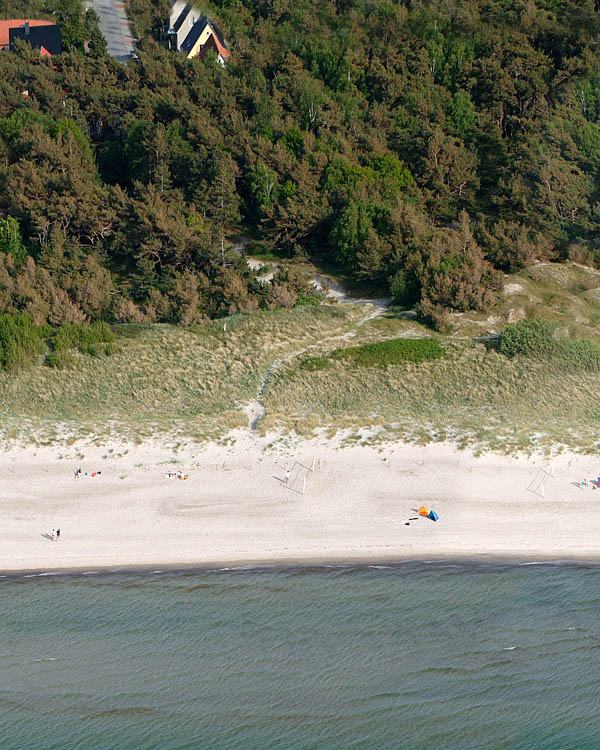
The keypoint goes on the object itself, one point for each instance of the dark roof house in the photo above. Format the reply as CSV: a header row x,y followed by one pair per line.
x,y
202,37
12,23
45,37
192,34
213,42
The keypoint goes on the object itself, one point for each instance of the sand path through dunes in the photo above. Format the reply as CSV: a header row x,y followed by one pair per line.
x,y
255,409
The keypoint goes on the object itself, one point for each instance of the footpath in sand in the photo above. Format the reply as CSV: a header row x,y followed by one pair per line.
x,y
236,508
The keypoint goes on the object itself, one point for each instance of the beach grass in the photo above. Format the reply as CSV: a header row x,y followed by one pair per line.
x,y
163,378
472,395
192,384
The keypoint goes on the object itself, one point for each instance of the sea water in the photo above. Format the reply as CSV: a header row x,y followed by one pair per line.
x,y
417,655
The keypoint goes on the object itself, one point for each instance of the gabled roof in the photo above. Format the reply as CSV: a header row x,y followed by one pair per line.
x,y
214,40
47,36
188,43
181,17
6,26
213,43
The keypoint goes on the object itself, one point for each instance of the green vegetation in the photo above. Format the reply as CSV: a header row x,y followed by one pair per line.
x,y
473,395
417,147
20,341
10,240
163,379
314,363
391,352
535,338
170,383
87,339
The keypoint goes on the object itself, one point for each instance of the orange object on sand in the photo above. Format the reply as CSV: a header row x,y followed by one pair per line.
x,y
423,511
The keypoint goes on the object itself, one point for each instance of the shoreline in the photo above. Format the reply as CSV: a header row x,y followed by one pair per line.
x,y
342,506
291,565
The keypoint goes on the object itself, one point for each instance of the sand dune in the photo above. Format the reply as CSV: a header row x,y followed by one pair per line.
x,y
235,508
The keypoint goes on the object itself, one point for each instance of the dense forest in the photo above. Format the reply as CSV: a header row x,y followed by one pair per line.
x,y
421,146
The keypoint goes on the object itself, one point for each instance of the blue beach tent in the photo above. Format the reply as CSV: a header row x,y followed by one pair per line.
x,y
433,515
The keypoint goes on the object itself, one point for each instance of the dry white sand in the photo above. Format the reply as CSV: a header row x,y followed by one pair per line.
x,y
236,509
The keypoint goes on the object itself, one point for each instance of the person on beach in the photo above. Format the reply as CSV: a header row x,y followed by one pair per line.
x,y
53,535
287,476
58,535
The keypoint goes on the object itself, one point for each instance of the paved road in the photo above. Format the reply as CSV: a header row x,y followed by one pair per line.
x,y
115,28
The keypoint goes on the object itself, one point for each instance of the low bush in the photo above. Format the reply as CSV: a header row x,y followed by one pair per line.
x,y
392,352
20,340
86,338
314,363
308,299
529,337
59,360
534,338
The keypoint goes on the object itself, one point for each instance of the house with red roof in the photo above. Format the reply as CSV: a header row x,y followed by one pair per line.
x,y
213,42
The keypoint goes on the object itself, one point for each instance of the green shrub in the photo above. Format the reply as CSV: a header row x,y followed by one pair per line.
x,y
59,360
83,337
533,338
314,363
392,352
20,340
304,300
11,242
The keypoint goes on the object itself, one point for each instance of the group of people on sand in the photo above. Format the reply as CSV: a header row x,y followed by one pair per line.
x,y
586,483
176,475
55,535
79,473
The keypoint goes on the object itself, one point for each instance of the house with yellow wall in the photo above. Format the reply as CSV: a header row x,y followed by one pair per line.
x,y
193,34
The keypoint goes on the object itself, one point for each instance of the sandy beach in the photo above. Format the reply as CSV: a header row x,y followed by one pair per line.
x,y
340,504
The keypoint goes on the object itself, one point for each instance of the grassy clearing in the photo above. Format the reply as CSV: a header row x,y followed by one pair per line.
x,y
162,378
474,395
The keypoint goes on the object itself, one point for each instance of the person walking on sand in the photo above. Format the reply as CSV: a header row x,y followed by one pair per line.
x,y
53,535
287,476
58,535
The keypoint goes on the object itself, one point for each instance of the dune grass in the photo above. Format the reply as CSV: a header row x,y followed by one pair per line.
x,y
473,395
163,378
181,384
